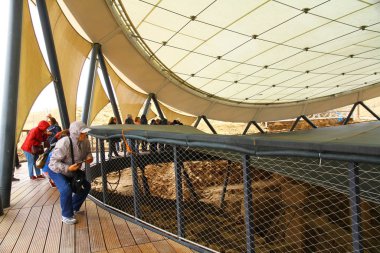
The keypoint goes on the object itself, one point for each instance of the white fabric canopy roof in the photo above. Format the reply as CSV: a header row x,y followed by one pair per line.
x,y
261,60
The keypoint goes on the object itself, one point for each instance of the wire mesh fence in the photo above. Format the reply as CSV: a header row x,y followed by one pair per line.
x,y
227,201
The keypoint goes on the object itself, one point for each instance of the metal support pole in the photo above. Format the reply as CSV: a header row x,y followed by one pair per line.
x,y
157,105
147,104
53,61
178,167
97,151
108,85
135,181
8,95
256,125
144,181
350,113
103,170
225,184
1,207
248,205
209,124
247,127
188,182
357,240
90,85
308,121
369,110
198,121
295,124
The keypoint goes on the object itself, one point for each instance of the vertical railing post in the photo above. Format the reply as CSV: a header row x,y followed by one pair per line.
x,y
1,206
145,182
356,228
103,170
225,184
248,205
97,151
135,181
178,166
188,182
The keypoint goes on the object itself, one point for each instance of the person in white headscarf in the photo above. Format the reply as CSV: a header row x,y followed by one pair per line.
x,y
61,169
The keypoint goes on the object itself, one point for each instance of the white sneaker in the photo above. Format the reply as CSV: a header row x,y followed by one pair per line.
x,y
69,220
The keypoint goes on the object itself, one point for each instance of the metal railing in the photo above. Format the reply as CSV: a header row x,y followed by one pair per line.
x,y
223,199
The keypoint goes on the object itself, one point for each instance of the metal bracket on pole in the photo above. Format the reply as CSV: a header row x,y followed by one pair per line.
x,y
354,107
206,121
53,61
304,118
107,81
256,125
90,85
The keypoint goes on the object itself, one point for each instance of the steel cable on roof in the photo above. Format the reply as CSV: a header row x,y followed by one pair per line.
x,y
213,57
250,36
320,16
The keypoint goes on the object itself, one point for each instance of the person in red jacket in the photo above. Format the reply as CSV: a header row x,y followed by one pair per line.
x,y
35,137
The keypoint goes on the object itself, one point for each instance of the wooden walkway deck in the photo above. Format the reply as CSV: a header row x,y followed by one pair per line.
x,y
33,224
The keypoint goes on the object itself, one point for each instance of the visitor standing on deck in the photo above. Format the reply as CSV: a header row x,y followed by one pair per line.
x,y
61,169
34,140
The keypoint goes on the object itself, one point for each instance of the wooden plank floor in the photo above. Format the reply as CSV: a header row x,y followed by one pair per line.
x,y
33,224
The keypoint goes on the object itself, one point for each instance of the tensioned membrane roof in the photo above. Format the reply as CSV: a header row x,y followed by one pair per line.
x,y
241,60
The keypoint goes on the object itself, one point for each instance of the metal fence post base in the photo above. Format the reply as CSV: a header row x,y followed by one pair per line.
x,y
1,207
354,189
248,205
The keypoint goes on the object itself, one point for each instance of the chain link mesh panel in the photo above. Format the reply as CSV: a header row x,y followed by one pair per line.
x,y
200,194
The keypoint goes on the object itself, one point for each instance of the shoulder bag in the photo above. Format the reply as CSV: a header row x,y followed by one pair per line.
x,y
79,176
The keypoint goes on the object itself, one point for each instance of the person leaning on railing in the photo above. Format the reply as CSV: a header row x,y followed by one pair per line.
x,y
61,169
